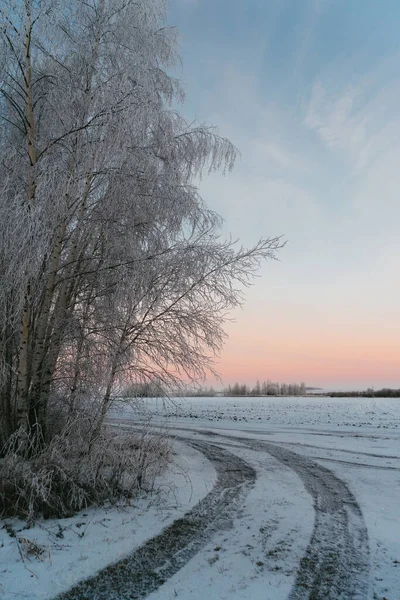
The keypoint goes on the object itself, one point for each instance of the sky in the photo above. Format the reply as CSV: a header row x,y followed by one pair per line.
x,y
309,91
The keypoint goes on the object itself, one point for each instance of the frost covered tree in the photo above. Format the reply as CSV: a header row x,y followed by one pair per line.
x,y
111,265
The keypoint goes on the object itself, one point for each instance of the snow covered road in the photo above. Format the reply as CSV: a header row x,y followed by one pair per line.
x,y
164,555
343,542
292,499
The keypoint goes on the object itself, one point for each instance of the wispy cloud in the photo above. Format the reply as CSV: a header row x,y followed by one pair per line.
x,y
361,122
335,120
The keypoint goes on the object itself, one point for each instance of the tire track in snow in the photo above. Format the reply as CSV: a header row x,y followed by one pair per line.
x,y
336,563
370,454
357,464
161,557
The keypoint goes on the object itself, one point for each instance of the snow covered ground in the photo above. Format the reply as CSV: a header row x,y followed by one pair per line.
x,y
324,499
64,551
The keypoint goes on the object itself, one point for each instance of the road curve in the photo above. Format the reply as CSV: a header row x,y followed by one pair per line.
x,y
157,560
336,563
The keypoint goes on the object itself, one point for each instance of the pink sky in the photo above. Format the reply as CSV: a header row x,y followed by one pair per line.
x,y
309,92
327,350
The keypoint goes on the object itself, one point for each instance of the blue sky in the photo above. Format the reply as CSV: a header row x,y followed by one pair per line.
x,y
309,92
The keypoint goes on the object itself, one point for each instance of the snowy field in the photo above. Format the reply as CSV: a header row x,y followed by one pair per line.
x,y
292,497
297,412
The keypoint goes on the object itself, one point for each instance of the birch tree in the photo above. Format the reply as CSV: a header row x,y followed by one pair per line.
x,y
111,264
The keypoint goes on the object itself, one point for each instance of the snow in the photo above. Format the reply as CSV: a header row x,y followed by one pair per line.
x,y
357,439
299,412
258,558
96,537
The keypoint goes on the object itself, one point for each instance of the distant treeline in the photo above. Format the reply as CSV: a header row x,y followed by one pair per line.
x,y
369,393
266,388
146,389
199,392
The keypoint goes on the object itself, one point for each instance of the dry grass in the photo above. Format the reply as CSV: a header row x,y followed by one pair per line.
x,y
70,473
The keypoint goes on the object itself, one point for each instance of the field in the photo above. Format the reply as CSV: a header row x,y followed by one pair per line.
x,y
270,498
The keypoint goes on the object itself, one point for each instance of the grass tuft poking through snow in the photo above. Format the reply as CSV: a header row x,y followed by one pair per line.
x,y
70,474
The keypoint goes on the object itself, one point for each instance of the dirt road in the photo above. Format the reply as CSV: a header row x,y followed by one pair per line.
x,y
334,566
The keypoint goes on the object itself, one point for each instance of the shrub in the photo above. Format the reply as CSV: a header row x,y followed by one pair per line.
x,y
70,472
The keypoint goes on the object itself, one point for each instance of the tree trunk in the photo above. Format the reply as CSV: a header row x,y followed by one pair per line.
x,y
105,405
32,396
6,413
22,403
37,400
